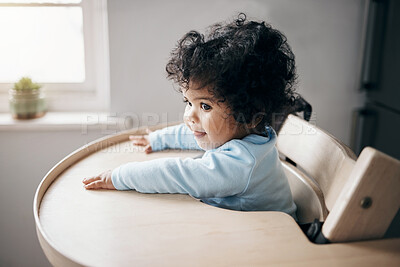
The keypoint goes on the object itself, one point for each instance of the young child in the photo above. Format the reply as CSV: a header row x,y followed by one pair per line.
x,y
233,80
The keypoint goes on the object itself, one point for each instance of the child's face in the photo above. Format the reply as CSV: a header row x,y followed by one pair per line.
x,y
209,120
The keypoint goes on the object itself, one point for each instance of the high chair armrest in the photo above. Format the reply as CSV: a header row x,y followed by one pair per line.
x,y
369,199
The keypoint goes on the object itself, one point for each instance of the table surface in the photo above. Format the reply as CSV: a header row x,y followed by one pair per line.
x,y
122,228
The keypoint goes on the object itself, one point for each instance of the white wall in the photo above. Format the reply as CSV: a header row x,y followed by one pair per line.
x,y
324,34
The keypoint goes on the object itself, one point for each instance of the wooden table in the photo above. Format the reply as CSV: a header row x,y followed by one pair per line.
x,y
125,228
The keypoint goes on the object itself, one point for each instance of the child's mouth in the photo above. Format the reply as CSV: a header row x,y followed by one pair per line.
x,y
198,134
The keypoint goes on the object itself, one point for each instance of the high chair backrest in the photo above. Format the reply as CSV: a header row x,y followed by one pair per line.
x,y
306,194
318,154
361,196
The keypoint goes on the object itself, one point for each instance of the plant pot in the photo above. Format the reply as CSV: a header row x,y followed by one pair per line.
x,y
27,104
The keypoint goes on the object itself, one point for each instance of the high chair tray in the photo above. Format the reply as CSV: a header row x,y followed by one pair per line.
x,y
77,227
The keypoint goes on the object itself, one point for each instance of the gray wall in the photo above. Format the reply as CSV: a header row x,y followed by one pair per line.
x,y
25,158
325,36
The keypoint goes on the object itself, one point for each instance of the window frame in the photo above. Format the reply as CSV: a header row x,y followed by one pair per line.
x,y
94,93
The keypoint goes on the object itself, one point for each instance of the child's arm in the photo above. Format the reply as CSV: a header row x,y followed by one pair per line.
x,y
175,137
217,174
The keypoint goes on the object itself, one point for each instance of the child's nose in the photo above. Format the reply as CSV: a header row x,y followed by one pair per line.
x,y
191,116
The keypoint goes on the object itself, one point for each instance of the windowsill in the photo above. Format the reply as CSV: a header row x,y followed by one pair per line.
x,y
65,121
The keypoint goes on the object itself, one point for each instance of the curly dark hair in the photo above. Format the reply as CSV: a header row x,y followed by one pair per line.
x,y
247,64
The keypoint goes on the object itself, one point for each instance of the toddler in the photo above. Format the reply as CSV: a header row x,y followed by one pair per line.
x,y
233,80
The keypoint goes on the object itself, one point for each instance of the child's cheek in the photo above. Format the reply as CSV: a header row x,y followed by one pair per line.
x,y
208,123
219,125
186,115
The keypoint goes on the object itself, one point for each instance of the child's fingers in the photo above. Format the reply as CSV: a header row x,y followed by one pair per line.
x,y
148,149
139,143
95,185
90,179
139,140
137,137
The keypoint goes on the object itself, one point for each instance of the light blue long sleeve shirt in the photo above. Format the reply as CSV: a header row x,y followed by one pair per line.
x,y
243,174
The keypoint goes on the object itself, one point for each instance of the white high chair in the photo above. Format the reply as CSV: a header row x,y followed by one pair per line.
x,y
356,199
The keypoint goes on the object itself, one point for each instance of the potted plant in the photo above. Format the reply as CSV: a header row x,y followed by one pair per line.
x,y
27,101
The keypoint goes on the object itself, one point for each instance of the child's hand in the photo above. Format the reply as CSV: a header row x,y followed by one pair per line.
x,y
142,140
101,181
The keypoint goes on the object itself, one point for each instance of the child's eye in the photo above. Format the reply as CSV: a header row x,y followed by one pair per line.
x,y
187,102
205,106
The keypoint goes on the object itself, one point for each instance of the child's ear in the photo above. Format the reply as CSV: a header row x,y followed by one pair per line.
x,y
255,122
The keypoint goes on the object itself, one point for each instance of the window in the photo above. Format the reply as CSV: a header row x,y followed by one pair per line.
x,y
62,44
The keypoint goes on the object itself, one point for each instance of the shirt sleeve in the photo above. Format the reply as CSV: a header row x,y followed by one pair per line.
x,y
216,174
174,137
